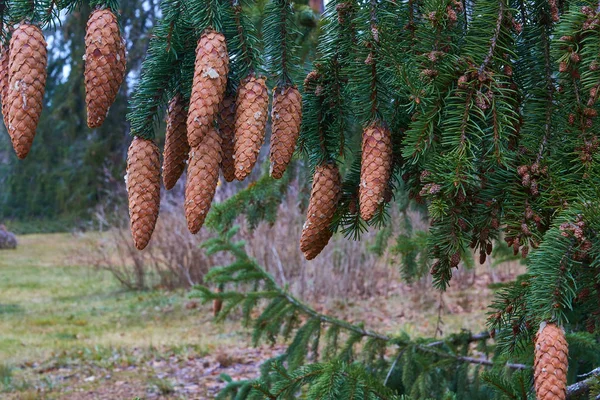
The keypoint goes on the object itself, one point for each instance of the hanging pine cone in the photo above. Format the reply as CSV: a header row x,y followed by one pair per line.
x,y
27,81
286,116
4,76
250,123
208,87
551,363
105,65
324,198
218,303
203,177
143,189
375,170
176,145
226,119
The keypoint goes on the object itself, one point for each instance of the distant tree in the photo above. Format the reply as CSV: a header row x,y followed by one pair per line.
x,y
71,168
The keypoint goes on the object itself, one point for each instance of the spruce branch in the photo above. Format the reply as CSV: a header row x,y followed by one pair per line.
x,y
495,38
164,61
280,32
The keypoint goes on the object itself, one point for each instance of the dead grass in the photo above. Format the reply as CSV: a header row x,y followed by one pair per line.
x,y
55,311
49,304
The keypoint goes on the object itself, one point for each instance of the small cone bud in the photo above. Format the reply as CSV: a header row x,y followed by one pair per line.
x,y
27,82
176,145
143,189
286,117
324,198
209,84
226,119
376,168
202,179
250,123
4,76
105,65
550,363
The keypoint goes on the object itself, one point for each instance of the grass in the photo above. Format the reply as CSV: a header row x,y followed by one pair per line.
x,y
67,329
48,305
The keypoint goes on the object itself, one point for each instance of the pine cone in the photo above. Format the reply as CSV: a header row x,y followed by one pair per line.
x,y
208,88
324,198
143,189
176,145
27,80
218,303
286,117
203,177
551,362
105,65
250,123
4,76
226,119
375,170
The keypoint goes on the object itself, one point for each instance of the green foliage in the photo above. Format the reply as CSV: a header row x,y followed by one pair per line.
x,y
280,37
327,356
258,202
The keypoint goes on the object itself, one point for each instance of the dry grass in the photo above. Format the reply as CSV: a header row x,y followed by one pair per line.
x,y
173,259
345,269
55,309
49,304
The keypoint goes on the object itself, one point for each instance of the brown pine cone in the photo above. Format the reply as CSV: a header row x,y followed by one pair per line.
x,y
286,117
202,179
208,87
176,145
226,119
550,362
4,76
375,170
105,64
218,303
324,198
27,82
250,123
143,189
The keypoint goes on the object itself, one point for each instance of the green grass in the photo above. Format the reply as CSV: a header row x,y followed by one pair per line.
x,y
48,305
58,315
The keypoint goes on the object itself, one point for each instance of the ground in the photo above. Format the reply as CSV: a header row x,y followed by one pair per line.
x,y
68,331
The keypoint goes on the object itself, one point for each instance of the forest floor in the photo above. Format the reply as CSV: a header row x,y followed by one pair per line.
x,y
68,331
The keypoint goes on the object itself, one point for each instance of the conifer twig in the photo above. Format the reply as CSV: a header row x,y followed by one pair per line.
x,y
494,40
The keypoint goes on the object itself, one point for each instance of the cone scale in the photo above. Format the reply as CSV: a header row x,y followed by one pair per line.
x,y
202,179
4,76
27,81
250,123
209,84
376,169
226,120
105,65
324,198
176,145
286,117
143,189
550,363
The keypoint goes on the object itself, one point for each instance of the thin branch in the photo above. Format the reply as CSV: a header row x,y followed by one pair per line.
x,y
549,85
494,40
471,360
583,387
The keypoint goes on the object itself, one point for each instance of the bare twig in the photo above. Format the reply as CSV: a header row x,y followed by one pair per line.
x,y
583,387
